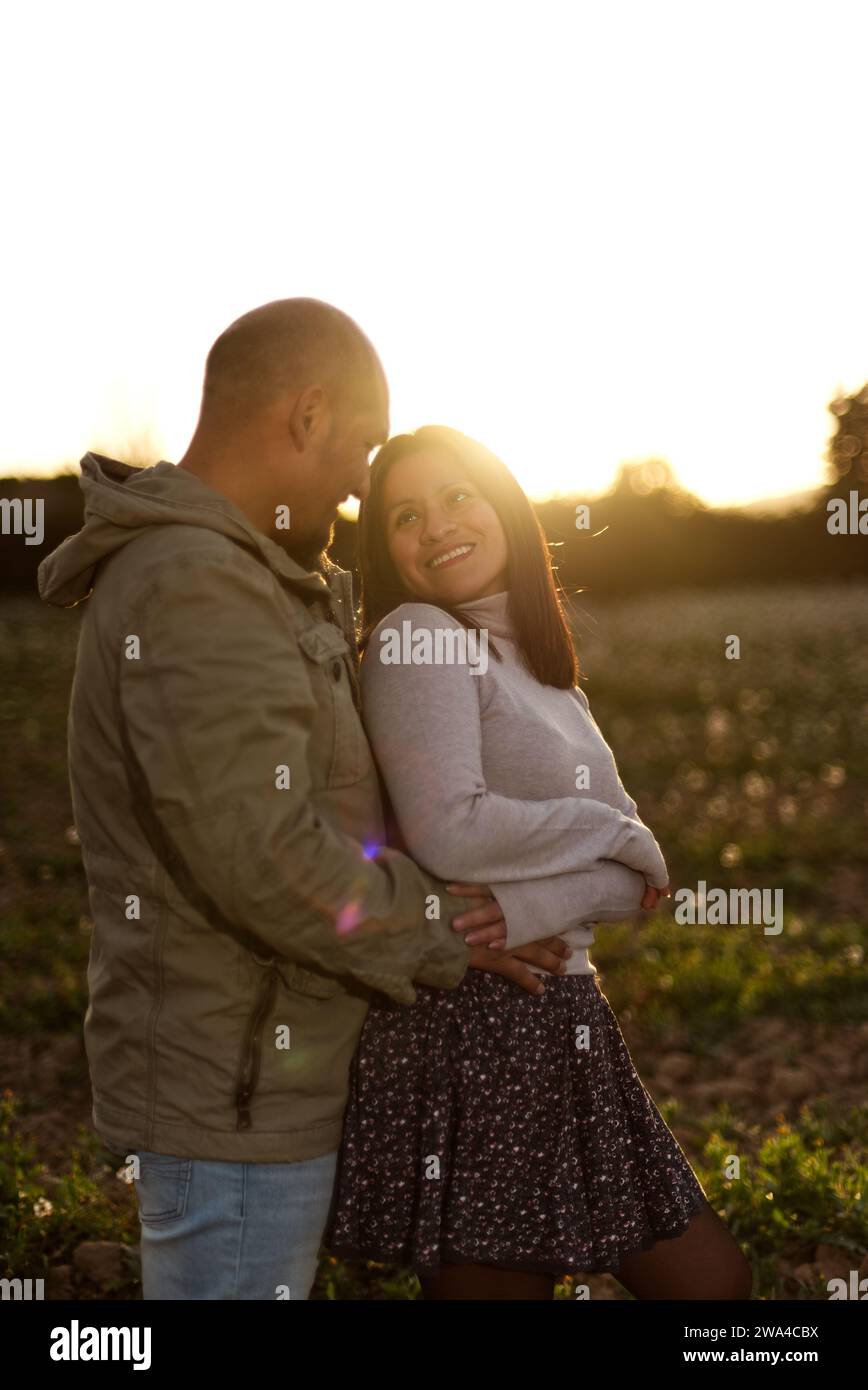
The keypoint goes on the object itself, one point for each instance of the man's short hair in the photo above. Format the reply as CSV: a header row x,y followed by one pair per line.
x,y
288,344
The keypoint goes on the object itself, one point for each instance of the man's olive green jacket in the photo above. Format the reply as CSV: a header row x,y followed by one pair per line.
x,y
232,828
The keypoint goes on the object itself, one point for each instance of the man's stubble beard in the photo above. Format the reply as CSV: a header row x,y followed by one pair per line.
x,y
310,552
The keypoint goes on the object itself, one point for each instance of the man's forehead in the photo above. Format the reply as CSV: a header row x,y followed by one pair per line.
x,y
370,408
375,425
380,407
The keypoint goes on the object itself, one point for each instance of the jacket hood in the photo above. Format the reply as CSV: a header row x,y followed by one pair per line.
x,y
120,502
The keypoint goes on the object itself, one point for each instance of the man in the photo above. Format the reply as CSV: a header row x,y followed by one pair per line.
x,y
229,811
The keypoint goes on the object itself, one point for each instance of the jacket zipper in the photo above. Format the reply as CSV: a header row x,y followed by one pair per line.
x,y
251,1056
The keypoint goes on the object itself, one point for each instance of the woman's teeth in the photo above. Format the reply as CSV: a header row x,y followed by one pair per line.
x,y
460,550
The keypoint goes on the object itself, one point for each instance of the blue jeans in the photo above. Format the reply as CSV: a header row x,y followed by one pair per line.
x,y
214,1230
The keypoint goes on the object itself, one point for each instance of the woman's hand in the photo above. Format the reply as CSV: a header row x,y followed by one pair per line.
x,y
485,925
652,896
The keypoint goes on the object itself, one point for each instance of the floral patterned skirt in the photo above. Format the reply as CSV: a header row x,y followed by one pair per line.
x,y
487,1125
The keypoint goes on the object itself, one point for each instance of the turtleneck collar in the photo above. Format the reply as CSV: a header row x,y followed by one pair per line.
x,y
491,612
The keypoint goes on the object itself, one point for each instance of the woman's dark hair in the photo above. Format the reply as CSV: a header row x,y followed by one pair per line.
x,y
542,634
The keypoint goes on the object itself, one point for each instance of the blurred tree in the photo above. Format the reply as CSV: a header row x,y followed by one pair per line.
x,y
847,454
641,478
656,480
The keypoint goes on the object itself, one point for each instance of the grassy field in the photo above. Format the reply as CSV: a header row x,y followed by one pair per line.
x,y
751,772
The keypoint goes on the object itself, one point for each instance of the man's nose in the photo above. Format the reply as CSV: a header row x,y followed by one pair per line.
x,y
364,487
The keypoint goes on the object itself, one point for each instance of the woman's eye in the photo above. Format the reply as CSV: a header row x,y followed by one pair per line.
x,y
452,496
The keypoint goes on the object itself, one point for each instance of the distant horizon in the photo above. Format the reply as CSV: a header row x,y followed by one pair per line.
x,y
775,501
142,445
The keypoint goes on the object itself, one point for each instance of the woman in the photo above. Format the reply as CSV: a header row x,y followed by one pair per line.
x,y
496,1139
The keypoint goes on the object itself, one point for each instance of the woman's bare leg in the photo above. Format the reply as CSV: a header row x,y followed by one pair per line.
x,y
704,1262
486,1282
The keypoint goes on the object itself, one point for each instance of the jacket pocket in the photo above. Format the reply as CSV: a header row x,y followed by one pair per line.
x,y
336,689
296,980
301,981
162,1187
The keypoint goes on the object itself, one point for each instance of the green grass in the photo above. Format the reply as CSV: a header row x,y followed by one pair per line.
x,y
708,980
802,1185
44,1217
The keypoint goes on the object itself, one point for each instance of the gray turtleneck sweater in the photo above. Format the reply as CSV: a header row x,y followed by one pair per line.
x,y
482,771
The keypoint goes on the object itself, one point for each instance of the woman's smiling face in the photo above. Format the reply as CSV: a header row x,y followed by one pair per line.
x,y
430,510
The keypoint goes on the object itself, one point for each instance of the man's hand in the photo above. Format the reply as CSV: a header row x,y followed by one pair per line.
x,y
485,925
551,954
487,936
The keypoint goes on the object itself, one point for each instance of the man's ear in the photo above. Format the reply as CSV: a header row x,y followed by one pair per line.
x,y
309,416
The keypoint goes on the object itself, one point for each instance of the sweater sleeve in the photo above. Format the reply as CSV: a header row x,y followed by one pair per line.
x,y
536,908
423,722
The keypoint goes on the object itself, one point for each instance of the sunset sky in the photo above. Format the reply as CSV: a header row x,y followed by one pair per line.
x,y
583,233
